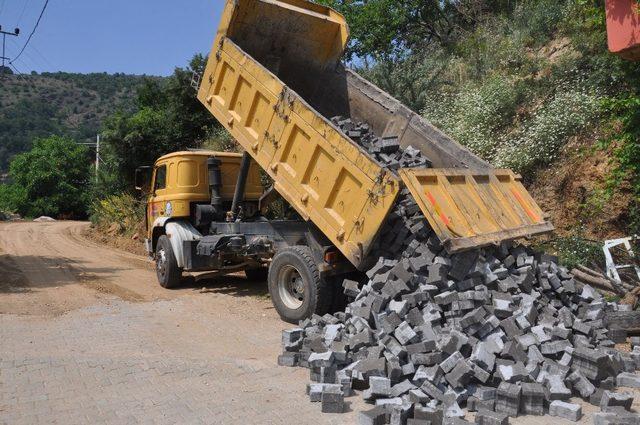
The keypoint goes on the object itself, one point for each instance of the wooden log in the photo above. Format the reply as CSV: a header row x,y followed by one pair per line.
x,y
621,287
589,271
631,298
595,281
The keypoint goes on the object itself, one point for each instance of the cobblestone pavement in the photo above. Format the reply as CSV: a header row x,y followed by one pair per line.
x,y
166,362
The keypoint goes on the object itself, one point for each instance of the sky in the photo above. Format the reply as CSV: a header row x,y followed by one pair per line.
x,y
149,37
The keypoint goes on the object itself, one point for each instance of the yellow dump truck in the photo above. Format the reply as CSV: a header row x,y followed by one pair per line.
x,y
274,79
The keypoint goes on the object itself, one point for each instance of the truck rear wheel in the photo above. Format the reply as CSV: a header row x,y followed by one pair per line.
x,y
295,286
167,270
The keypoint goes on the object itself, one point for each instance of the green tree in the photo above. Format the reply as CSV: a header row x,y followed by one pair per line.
x,y
169,118
382,29
50,179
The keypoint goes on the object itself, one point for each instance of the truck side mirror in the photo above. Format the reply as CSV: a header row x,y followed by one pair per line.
x,y
143,179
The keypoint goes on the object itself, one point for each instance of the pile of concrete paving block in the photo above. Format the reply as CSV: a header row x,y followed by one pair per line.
x,y
428,336
385,150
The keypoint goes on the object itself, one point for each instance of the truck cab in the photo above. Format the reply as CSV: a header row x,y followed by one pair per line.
x,y
180,182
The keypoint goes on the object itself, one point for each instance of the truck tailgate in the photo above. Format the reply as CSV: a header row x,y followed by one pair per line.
x,y
474,208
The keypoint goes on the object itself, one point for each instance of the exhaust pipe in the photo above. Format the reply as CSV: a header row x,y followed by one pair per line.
x,y
215,183
241,184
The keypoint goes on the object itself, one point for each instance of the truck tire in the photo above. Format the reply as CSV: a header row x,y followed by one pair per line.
x,y
167,270
295,286
258,274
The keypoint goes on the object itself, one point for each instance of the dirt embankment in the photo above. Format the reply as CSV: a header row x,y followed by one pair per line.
x,y
573,191
113,237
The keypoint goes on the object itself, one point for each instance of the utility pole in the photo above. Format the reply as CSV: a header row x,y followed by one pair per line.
x,y
96,145
97,155
15,33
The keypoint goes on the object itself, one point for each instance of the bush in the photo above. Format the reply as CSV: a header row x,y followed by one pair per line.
x,y
10,196
123,211
574,250
220,140
626,141
538,20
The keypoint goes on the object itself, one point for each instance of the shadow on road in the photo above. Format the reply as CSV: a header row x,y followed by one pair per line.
x,y
236,285
21,274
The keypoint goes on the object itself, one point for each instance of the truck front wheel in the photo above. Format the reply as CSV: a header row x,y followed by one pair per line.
x,y
295,286
167,270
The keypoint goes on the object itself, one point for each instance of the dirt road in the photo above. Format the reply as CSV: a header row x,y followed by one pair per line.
x,y
54,265
88,336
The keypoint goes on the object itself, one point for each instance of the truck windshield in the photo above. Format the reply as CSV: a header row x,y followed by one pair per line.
x,y
161,178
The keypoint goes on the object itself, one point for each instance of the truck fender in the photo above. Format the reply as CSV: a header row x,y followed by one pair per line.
x,y
157,229
178,232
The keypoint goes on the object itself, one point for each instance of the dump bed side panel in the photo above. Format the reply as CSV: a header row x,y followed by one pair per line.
x,y
623,28
322,174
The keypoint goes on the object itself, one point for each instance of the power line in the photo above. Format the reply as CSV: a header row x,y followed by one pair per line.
x,y
37,59
15,69
26,3
20,75
23,60
23,77
34,30
43,57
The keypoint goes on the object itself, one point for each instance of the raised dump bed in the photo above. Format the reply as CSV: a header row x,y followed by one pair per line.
x,y
274,80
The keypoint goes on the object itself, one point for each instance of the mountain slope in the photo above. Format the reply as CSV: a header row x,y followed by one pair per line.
x,y
68,104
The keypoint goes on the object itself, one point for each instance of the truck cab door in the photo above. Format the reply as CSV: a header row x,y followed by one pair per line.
x,y
156,203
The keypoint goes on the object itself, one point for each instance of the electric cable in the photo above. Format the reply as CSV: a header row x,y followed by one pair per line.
x,y
32,32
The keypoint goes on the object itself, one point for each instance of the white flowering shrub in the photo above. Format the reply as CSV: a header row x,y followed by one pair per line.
x,y
538,140
476,115
483,119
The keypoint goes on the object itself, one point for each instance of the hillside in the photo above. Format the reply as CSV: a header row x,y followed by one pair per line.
x,y
73,105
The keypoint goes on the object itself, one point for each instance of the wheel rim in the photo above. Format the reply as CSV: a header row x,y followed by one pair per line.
x,y
161,262
291,287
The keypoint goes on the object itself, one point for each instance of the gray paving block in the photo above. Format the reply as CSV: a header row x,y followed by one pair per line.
x,y
569,411
379,386
629,380
402,388
375,416
435,415
450,362
508,399
556,388
488,417
610,399
616,418
405,333
532,399
581,384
